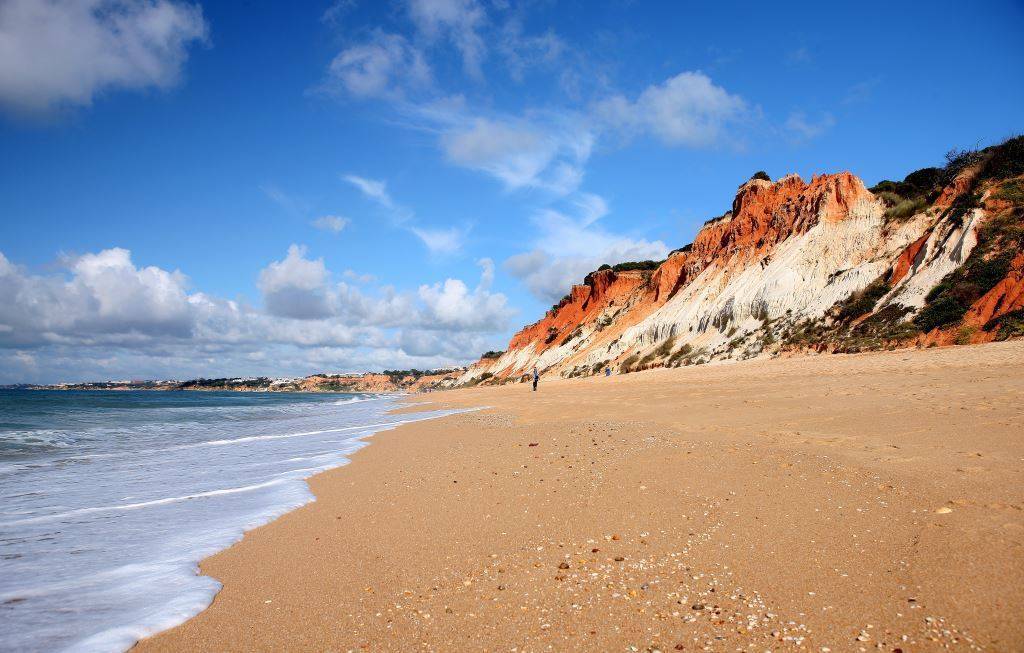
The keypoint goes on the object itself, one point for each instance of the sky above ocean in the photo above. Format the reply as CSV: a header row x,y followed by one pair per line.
x,y
220,189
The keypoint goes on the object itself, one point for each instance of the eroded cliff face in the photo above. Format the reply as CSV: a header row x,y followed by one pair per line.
x,y
826,265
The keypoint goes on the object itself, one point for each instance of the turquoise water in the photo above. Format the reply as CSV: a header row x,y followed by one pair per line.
x,y
109,499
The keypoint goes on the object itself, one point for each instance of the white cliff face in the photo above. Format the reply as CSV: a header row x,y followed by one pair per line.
x,y
947,247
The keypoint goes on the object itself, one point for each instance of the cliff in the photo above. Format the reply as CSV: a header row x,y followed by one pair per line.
x,y
825,265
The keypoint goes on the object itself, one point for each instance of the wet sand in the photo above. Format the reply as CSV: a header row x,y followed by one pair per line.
x,y
843,503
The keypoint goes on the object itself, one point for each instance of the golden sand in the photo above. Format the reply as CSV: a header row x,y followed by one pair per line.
x,y
843,503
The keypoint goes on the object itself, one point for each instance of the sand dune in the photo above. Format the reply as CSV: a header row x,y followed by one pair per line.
x,y
843,503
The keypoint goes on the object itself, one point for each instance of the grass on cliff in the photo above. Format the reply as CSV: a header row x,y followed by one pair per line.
x,y
909,197
999,240
862,301
1010,192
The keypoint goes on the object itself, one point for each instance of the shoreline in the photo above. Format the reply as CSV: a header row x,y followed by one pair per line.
x,y
838,503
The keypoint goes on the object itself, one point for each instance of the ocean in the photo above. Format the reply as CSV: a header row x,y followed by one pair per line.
x,y
108,500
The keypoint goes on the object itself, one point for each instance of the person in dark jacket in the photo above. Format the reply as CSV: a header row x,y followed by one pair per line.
x,y
536,377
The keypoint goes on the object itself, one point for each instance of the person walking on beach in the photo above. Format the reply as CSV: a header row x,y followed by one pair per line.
x,y
536,377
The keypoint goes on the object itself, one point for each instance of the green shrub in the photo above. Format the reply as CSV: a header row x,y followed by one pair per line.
x,y
963,336
1008,326
627,364
891,198
604,267
905,209
861,301
761,174
684,352
636,265
665,348
1007,160
959,160
492,354
576,333
924,179
947,302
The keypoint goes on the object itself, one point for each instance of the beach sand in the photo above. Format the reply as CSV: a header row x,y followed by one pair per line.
x,y
843,503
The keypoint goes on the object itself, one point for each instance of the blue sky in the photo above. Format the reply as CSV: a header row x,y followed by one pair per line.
x,y
283,188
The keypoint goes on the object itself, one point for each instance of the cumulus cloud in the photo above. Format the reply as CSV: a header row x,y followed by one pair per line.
x,y
688,109
452,305
295,286
301,288
105,296
106,317
57,53
571,245
387,66
334,223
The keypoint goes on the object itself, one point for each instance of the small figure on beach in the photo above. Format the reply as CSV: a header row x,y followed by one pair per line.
x,y
607,371
536,377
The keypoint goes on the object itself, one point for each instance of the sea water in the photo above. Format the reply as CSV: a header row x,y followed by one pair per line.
x,y
108,500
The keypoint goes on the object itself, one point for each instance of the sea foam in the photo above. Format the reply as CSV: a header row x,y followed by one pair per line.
x,y
109,500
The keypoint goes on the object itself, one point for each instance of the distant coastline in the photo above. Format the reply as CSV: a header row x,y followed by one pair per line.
x,y
386,381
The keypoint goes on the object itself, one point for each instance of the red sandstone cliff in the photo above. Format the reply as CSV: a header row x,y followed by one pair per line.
x,y
826,265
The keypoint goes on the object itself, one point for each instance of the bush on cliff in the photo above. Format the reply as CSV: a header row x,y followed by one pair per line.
x,y
627,365
959,160
1007,160
761,174
636,265
1008,326
862,301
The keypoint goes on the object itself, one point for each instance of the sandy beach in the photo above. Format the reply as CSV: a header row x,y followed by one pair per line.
x,y
830,503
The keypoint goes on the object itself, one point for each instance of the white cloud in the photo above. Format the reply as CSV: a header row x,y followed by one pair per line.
x,y
106,295
441,241
456,20
452,305
105,317
57,53
291,204
521,51
352,275
548,152
570,246
301,288
688,109
334,223
802,128
295,286
374,189
387,66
